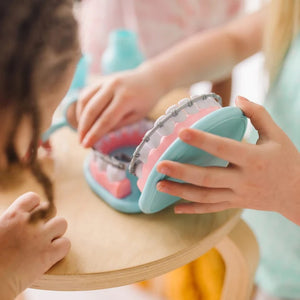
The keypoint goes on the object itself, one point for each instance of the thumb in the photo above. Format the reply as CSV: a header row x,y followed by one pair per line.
x,y
259,117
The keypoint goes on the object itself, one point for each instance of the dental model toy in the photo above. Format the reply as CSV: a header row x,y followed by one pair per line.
x,y
121,168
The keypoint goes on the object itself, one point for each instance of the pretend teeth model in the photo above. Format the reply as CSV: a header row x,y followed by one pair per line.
x,y
115,174
149,140
178,114
190,107
108,169
166,129
139,170
208,102
101,164
142,145
143,154
152,139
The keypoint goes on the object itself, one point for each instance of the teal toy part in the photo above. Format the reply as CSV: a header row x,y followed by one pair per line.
x,y
227,122
127,204
62,120
122,53
81,73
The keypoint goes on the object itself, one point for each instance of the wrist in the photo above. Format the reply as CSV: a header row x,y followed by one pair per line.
x,y
159,75
7,293
7,289
292,205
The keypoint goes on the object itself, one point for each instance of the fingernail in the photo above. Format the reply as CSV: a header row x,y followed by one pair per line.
x,y
240,98
161,187
80,137
85,142
185,135
178,210
163,170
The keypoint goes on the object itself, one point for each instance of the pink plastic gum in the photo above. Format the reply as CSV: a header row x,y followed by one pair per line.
x,y
106,145
114,141
119,189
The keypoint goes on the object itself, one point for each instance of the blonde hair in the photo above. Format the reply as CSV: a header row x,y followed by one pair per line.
x,y
282,27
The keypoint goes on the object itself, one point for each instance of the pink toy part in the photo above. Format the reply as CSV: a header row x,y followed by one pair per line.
x,y
118,139
130,136
166,141
119,189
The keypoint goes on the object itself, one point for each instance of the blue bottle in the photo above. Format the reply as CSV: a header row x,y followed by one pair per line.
x,y
122,53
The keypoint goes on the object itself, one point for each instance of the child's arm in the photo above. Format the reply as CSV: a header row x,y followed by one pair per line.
x,y
210,55
265,176
128,96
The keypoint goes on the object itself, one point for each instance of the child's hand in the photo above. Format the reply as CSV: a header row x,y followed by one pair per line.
x,y
265,176
27,250
115,101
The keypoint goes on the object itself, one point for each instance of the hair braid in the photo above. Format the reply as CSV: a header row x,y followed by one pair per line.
x,y
37,28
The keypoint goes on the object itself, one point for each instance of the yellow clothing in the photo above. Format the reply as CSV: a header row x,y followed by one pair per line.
x,y
200,279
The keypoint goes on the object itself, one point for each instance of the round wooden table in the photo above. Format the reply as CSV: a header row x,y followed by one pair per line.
x,y
111,249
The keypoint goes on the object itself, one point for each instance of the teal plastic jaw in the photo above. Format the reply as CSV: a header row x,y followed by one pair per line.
x,y
227,122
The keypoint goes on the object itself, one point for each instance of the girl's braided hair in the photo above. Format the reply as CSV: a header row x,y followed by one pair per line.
x,y
38,40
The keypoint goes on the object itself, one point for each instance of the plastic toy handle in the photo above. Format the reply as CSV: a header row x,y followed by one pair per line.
x,y
69,99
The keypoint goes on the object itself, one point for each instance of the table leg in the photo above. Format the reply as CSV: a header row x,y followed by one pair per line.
x,y
240,253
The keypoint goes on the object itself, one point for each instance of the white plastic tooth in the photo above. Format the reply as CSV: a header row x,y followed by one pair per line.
x,y
171,109
184,101
155,139
190,108
101,164
208,102
115,174
201,104
160,121
213,102
139,170
178,115
144,152
168,127
181,116
193,97
164,127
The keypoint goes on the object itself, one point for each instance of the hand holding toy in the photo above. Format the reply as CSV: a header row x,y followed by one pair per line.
x,y
265,176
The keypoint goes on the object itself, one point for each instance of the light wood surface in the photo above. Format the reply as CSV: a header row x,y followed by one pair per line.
x,y
110,248
240,253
